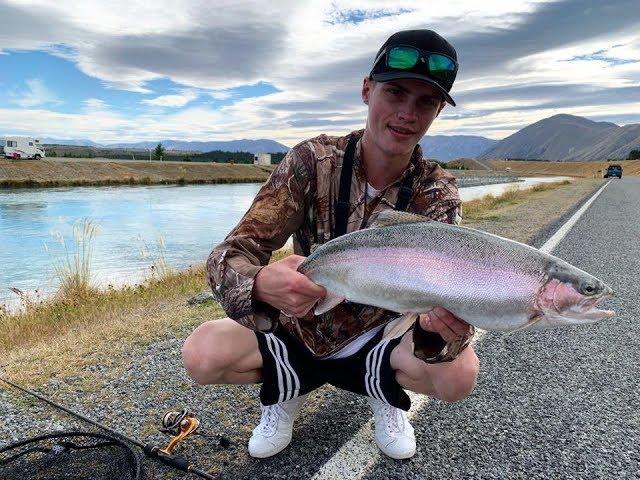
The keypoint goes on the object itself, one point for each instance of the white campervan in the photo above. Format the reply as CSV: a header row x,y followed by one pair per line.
x,y
21,147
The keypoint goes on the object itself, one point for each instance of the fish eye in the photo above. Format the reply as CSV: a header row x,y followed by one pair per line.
x,y
588,289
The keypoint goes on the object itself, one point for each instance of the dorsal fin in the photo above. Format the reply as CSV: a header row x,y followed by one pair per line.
x,y
393,217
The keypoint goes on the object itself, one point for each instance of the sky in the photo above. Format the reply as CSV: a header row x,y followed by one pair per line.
x,y
126,71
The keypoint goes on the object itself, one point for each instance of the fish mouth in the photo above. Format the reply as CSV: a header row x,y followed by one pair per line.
x,y
588,308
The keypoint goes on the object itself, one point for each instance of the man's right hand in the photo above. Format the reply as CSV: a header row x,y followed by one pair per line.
x,y
280,284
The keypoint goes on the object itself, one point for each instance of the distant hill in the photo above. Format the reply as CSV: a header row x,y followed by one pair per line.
x,y
252,146
568,137
449,147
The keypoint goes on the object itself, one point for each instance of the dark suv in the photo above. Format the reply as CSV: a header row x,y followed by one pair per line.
x,y
613,171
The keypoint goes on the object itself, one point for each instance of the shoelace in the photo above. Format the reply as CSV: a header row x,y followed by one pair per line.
x,y
269,420
394,419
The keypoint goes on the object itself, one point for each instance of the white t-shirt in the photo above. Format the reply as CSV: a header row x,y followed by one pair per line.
x,y
371,192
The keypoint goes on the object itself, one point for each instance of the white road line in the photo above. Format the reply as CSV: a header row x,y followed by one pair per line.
x,y
553,242
359,454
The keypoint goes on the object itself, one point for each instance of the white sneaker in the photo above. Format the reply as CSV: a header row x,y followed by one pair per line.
x,y
394,434
274,431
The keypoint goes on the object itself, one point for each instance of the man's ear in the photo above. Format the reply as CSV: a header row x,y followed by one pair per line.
x,y
367,85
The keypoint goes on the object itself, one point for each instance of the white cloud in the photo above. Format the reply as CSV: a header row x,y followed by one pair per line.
x,y
35,95
220,95
95,104
507,51
176,100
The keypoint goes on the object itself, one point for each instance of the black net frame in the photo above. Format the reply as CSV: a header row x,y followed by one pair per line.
x,y
38,454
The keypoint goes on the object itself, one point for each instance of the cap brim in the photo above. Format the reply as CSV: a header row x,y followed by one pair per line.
x,y
386,76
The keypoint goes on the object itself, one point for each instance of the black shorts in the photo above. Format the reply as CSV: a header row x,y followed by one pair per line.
x,y
290,370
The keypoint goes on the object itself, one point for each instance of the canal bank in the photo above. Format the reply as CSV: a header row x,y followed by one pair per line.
x,y
100,172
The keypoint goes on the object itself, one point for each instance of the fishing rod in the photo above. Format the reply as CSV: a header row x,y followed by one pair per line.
x,y
180,424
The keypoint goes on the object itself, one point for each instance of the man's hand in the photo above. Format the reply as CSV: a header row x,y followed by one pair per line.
x,y
455,336
446,324
282,286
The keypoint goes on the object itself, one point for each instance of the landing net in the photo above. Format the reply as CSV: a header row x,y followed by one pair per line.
x,y
70,455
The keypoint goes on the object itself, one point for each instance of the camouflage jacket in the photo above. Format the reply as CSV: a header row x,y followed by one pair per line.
x,y
299,199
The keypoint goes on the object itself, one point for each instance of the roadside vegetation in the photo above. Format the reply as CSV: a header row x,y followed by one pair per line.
x,y
490,206
73,173
82,326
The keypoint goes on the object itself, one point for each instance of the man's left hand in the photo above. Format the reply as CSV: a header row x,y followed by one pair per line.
x,y
456,334
445,323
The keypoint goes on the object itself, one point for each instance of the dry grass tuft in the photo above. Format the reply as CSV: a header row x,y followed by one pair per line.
x,y
74,271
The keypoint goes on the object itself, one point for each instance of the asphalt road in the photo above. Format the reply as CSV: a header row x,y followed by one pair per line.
x,y
551,404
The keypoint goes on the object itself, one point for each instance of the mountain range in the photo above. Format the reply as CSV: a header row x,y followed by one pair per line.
x,y
252,146
560,137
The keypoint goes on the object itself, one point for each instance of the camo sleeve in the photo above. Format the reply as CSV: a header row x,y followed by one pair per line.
x,y
275,214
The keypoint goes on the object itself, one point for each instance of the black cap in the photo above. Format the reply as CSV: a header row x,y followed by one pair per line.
x,y
426,40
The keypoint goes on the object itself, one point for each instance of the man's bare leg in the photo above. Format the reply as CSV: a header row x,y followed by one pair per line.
x,y
448,381
222,351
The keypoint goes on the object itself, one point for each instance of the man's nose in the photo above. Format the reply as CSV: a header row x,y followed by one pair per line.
x,y
407,113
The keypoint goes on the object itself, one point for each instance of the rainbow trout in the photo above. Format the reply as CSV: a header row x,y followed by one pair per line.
x,y
407,264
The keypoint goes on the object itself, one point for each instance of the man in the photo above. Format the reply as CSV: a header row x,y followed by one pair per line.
x,y
327,186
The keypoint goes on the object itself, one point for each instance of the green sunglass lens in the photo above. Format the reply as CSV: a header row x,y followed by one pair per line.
x,y
402,58
442,67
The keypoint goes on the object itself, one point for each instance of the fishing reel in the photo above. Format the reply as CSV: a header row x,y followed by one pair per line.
x,y
182,424
179,425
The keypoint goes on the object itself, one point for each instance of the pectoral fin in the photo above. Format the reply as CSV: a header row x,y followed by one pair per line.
x,y
327,303
400,325
531,322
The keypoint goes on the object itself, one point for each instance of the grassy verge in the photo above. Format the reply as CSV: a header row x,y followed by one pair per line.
x,y
74,173
74,331
491,206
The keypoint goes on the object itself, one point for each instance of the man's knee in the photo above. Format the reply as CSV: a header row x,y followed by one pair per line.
x,y
460,379
205,354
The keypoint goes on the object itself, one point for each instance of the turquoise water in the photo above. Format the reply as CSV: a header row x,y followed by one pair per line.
x,y
133,224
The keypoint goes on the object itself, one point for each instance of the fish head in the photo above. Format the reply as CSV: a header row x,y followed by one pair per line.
x,y
572,298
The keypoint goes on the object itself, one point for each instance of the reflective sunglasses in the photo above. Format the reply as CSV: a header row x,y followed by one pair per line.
x,y
437,66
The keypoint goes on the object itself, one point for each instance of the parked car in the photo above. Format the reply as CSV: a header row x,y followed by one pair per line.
x,y
21,147
613,171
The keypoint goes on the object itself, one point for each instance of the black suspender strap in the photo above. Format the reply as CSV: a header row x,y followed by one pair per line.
x,y
342,206
404,194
